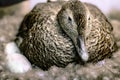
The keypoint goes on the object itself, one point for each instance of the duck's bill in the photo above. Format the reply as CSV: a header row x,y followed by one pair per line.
x,y
82,49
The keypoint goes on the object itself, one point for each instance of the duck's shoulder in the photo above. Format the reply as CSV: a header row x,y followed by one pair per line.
x,y
48,7
41,13
27,23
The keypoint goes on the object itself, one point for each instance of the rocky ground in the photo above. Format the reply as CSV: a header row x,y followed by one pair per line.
x,y
107,70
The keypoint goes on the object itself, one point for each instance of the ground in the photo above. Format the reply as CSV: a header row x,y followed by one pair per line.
x,y
109,69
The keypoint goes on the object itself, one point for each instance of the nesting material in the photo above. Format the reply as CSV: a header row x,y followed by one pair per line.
x,y
15,61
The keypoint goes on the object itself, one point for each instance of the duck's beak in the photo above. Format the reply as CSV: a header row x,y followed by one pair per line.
x,y
81,49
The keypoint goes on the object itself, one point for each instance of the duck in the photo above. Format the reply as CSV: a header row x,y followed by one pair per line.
x,y
92,36
59,33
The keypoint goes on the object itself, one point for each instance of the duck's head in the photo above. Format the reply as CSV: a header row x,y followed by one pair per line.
x,y
72,19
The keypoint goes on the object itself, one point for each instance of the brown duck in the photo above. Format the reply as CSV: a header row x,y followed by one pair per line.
x,y
55,33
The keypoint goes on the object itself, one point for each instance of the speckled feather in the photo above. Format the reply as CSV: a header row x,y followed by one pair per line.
x,y
45,44
100,41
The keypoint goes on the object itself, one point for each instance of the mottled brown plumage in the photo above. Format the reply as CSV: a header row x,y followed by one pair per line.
x,y
47,39
44,43
99,39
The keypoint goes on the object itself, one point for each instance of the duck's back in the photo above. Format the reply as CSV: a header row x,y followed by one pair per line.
x,y
99,38
44,43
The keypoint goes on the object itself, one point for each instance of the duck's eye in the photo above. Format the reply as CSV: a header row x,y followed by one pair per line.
x,y
89,18
69,19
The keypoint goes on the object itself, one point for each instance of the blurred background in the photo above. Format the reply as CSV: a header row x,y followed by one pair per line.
x,y
111,8
104,5
23,6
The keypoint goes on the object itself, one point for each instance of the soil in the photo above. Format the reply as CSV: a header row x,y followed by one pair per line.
x,y
109,69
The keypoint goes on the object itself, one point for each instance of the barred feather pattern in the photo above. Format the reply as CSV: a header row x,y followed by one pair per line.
x,y
100,41
44,46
